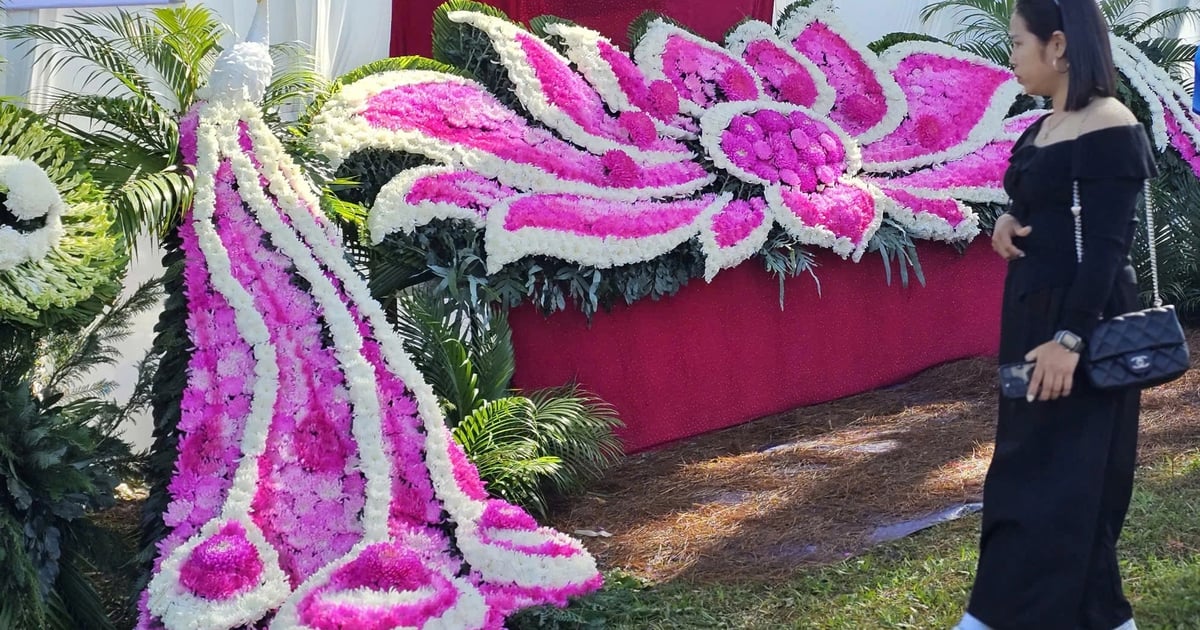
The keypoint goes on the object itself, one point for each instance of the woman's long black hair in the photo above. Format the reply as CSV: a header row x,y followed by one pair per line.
x,y
1089,52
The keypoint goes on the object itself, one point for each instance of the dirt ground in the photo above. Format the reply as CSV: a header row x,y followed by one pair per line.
x,y
811,486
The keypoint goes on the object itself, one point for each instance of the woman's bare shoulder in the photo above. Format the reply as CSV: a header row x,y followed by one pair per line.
x,y
1106,112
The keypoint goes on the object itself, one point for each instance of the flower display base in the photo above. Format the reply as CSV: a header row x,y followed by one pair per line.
x,y
721,354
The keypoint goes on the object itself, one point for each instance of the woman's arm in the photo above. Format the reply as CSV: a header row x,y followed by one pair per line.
x,y
1108,210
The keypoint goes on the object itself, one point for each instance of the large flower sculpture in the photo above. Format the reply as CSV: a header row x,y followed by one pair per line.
x,y
317,485
608,159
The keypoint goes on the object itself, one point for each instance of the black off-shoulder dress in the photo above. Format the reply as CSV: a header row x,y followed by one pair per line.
x,y
1060,481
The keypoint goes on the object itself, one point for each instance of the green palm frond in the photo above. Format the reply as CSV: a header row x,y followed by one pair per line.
x,y
296,83
70,357
149,68
982,25
426,323
576,427
106,67
499,439
178,44
493,356
1162,23
1172,54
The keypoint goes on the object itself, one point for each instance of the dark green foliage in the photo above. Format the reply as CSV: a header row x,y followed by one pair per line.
x,y
60,460
894,245
451,253
891,39
470,50
174,350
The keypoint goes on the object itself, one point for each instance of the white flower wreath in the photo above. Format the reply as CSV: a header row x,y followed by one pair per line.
x,y
30,196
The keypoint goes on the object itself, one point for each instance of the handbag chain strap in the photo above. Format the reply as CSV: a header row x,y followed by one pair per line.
x,y
1077,212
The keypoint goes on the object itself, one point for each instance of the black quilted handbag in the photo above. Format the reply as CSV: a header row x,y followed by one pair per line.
x,y
1139,349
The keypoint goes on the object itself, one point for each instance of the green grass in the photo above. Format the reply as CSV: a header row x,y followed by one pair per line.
x,y
921,582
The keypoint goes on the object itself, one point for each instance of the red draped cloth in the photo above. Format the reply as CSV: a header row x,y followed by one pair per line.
x,y
412,23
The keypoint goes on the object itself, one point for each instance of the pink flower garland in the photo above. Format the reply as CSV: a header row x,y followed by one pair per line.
x,y
464,189
224,565
568,91
860,103
846,211
385,568
658,99
466,116
931,82
945,209
793,149
738,220
784,79
981,169
599,218
705,76
1181,142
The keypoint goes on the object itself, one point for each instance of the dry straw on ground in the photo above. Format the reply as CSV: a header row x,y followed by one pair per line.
x,y
810,486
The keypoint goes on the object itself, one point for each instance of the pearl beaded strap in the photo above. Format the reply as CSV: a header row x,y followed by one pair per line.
x,y
1077,211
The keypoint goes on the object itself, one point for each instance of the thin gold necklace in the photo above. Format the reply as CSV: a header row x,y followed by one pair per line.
x,y
1046,131
1087,113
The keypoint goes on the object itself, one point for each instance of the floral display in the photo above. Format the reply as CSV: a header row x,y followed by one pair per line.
x,y
317,485
1173,123
801,127
31,215
558,96
702,73
60,259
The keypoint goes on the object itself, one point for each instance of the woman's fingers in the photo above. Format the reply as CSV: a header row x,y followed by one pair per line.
x,y
1054,387
1035,383
1050,386
1002,237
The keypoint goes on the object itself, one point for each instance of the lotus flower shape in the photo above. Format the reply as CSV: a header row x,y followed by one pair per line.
x,y
608,159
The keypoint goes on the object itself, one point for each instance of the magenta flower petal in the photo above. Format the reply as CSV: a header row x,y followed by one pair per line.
x,y
225,565
934,83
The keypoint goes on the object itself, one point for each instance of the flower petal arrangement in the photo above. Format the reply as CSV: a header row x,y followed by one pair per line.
x,y
317,485
801,128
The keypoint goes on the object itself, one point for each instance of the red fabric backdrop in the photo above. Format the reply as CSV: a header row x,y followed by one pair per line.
x,y
721,354
412,23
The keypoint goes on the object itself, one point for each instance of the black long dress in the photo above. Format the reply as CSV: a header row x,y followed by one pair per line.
x,y
1061,477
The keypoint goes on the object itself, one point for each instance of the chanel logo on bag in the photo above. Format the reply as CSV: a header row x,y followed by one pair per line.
x,y
1139,362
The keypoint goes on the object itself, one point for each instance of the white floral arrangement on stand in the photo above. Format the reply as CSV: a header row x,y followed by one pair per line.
x,y
30,198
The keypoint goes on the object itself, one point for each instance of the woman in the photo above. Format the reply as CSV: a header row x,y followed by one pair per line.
x,y
1060,480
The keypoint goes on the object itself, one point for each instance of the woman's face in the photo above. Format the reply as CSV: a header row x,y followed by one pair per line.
x,y
1033,61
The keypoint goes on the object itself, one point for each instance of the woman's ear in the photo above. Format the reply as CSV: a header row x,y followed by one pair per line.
x,y
1058,44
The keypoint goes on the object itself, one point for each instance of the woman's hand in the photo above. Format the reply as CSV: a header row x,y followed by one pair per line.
x,y
1008,227
1054,373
